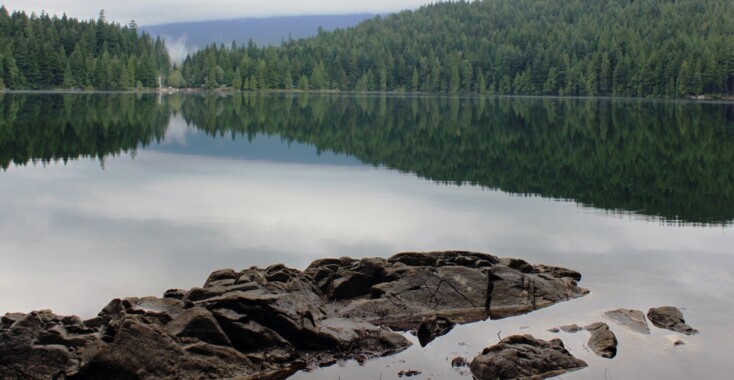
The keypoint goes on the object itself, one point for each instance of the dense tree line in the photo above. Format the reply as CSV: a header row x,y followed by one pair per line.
x,y
42,52
541,47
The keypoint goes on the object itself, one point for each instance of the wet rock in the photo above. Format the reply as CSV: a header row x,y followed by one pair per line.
x,y
144,351
37,345
671,318
248,336
268,323
524,357
431,328
219,275
347,333
461,286
197,323
458,362
571,328
602,341
631,319
199,294
408,373
558,272
174,293
10,318
34,362
554,330
169,307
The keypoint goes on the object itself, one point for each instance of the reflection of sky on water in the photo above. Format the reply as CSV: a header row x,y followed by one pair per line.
x,y
182,138
74,236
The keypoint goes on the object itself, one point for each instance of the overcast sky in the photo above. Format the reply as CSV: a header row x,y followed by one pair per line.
x,y
148,12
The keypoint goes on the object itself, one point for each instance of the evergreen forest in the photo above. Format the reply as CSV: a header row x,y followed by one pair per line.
x,y
672,48
48,52
630,48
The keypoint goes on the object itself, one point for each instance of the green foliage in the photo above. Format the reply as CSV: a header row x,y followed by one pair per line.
x,y
552,47
42,52
303,83
175,79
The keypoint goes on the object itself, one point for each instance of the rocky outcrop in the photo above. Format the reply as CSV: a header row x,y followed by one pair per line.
x,y
671,318
402,291
602,340
524,357
631,319
268,323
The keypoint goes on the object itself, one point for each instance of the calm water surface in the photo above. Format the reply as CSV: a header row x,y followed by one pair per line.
x,y
105,196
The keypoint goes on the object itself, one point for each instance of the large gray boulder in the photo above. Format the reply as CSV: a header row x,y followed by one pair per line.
x,y
524,357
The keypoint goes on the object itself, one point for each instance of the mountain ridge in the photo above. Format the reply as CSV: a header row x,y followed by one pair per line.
x,y
189,36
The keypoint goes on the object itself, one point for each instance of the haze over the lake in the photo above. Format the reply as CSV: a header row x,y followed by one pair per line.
x,y
169,11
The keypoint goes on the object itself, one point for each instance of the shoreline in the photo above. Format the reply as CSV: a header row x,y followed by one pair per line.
x,y
228,91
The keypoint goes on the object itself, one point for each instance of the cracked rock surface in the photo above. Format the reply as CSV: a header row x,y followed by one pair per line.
x,y
524,357
402,291
268,323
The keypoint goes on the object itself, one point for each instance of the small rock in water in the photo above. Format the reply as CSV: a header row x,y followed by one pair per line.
x,y
679,342
554,330
602,341
571,328
408,373
522,356
671,318
459,362
632,319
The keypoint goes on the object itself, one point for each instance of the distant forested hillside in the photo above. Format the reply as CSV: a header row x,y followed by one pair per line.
x,y
549,47
42,52
263,31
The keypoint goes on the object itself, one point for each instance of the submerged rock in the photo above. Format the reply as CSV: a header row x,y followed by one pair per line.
x,y
602,340
269,323
671,318
571,328
631,319
459,362
524,357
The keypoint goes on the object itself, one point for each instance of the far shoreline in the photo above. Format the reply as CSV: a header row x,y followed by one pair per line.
x,y
709,99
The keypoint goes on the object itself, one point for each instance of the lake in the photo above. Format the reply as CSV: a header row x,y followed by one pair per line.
x,y
114,195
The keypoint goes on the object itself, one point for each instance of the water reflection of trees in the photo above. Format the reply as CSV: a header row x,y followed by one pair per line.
x,y
61,127
668,159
